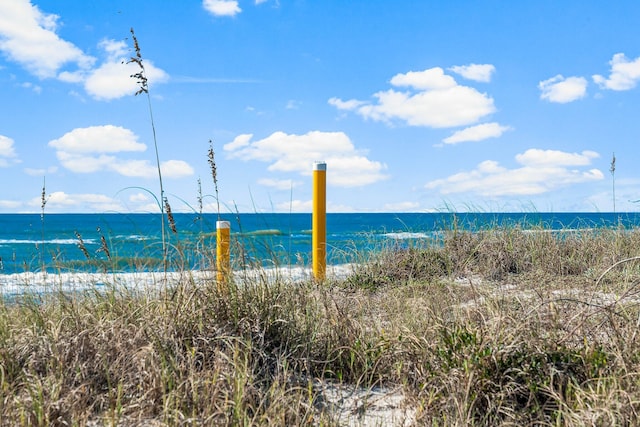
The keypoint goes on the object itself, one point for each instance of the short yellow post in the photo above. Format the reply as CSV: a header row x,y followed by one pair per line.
x,y
319,221
223,252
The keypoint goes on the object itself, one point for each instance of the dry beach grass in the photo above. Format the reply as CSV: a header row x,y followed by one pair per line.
x,y
498,327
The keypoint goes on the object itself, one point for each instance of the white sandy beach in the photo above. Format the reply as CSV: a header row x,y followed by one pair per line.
x,y
39,282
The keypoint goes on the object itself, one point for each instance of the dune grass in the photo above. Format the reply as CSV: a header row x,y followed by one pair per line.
x,y
497,327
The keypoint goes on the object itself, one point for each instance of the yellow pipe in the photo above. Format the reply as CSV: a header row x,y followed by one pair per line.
x,y
319,221
223,253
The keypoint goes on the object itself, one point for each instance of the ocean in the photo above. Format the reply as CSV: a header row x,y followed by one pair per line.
x,y
132,242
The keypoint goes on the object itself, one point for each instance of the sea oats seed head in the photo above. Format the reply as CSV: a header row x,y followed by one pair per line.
x,y
214,172
199,196
172,222
612,169
141,77
81,245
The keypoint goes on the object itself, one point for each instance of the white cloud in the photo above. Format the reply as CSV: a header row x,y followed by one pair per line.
x,y
240,141
35,88
41,172
84,163
279,184
295,206
62,198
222,7
176,169
10,204
624,75
6,147
98,139
63,202
402,207
562,90
7,151
28,37
296,153
477,133
114,49
541,171
307,206
430,79
92,149
346,105
543,158
477,72
436,101
133,168
145,169
113,79
293,105
139,197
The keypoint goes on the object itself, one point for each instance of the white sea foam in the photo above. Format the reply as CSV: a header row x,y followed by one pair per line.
x,y
138,237
39,242
40,283
406,235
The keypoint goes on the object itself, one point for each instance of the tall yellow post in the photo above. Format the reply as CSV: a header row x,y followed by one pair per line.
x,y
223,252
319,221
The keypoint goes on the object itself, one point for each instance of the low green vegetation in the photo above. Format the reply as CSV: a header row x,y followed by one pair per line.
x,y
498,327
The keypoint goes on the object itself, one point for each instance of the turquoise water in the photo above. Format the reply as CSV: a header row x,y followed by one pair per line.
x,y
29,242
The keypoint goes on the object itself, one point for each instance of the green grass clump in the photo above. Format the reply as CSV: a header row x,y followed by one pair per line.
x,y
500,327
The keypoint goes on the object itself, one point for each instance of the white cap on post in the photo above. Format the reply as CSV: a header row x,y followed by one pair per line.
x,y
223,224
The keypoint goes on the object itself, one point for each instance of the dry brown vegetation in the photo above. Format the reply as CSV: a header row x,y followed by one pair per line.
x,y
499,327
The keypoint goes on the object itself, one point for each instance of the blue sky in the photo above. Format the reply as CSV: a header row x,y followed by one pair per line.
x,y
414,105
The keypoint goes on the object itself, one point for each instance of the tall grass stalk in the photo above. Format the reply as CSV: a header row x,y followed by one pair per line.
x,y
200,204
612,169
141,78
43,202
211,158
